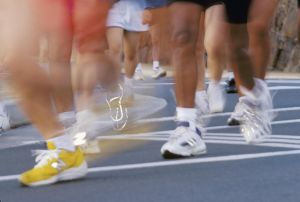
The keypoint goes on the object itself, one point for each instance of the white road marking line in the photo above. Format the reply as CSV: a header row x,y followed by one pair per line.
x,y
284,87
172,118
230,141
293,81
178,162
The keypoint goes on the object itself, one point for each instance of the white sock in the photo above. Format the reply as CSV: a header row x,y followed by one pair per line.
x,y
128,81
214,83
187,115
64,141
155,65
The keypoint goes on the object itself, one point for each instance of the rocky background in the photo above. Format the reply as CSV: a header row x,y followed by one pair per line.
x,y
286,50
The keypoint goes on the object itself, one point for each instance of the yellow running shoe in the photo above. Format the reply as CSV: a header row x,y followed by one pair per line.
x,y
55,165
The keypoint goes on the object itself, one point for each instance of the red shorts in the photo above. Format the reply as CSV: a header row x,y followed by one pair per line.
x,y
86,19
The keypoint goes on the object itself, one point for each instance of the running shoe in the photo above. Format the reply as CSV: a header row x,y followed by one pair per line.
x,y
184,142
138,75
202,107
4,121
256,119
230,86
236,116
159,73
216,98
54,165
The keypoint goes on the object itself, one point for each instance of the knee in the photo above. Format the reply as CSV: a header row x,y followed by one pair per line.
x,y
115,51
215,49
183,41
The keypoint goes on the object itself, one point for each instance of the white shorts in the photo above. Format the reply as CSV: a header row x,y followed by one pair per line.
x,y
127,15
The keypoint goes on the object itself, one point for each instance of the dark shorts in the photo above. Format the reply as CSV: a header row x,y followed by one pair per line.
x,y
299,4
237,11
205,3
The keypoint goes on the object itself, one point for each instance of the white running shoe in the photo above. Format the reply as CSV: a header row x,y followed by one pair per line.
x,y
202,107
256,120
4,121
216,97
184,142
236,116
158,73
138,75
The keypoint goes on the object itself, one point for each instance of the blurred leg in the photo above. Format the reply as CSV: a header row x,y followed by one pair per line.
x,y
260,19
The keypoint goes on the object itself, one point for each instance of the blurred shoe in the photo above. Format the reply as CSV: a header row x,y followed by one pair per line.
x,y
256,120
184,142
4,121
159,73
236,116
216,97
230,86
202,107
54,165
91,147
138,75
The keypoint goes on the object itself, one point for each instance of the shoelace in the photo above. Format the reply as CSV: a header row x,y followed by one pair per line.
x,y
44,156
120,117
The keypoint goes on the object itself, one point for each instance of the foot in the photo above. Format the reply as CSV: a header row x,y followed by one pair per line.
x,y
54,165
236,117
256,119
138,75
184,142
159,73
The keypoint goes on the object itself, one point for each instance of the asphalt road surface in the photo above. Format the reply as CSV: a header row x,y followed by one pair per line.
x,y
231,171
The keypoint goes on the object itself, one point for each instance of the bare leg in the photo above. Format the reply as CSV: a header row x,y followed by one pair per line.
x,y
240,59
200,56
185,24
261,15
30,82
131,41
60,49
214,41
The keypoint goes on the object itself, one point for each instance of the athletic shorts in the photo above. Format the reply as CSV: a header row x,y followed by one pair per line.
x,y
205,3
237,11
127,15
86,19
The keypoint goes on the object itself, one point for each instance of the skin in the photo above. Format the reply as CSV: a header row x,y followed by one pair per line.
x,y
185,19
260,19
29,80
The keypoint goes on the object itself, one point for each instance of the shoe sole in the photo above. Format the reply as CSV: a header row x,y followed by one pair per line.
x,y
234,122
169,155
67,175
164,74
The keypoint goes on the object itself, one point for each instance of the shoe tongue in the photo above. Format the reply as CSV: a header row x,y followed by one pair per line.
x,y
51,146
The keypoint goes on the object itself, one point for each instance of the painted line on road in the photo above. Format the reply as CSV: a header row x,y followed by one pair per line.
x,y
173,118
178,162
